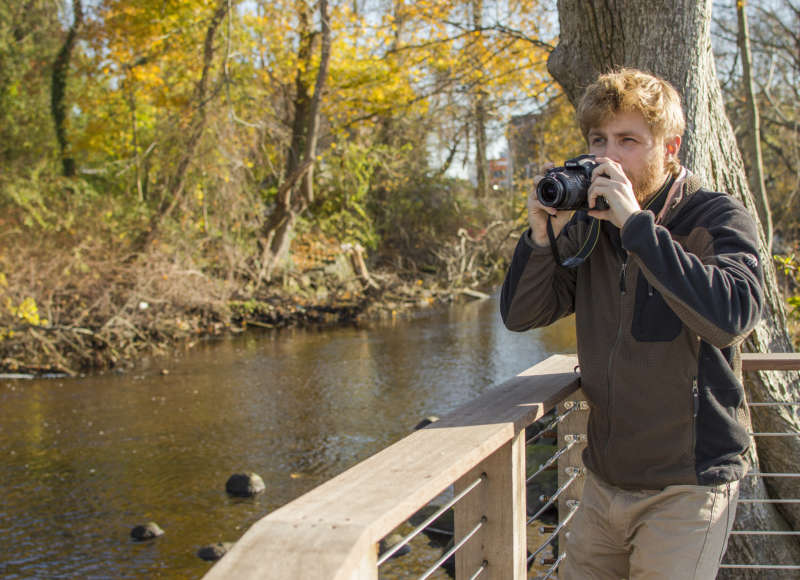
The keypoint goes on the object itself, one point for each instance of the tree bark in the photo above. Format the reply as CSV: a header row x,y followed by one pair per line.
x,y
59,88
481,164
198,124
174,189
671,38
291,201
753,139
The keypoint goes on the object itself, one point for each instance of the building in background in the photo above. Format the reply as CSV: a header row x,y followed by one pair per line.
x,y
500,175
525,145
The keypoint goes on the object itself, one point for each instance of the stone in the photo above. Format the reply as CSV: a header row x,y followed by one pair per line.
x,y
440,530
147,531
214,552
340,268
245,484
425,422
390,542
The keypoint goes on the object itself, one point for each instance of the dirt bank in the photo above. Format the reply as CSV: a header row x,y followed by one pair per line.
x,y
82,312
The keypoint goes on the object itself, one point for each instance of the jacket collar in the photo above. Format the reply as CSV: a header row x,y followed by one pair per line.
x,y
673,194
656,202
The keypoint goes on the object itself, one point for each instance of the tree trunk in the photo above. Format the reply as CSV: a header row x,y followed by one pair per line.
x,y
481,165
672,38
753,139
291,202
59,88
173,194
198,124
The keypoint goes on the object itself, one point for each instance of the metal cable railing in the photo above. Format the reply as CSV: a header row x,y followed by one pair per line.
x,y
455,549
554,535
571,441
765,566
764,533
551,500
549,463
762,566
554,423
547,430
550,564
572,475
552,569
432,518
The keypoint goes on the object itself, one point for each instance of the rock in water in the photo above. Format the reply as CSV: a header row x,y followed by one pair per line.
x,y
390,542
425,422
245,484
148,531
214,552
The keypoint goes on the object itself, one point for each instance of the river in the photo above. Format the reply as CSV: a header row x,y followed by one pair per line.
x,y
87,459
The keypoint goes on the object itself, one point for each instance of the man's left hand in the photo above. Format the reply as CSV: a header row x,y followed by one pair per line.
x,y
610,182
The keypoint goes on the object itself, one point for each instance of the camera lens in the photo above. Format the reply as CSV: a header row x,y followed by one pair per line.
x,y
550,192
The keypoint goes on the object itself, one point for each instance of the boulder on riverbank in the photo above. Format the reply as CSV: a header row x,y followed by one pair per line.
x,y
245,484
147,531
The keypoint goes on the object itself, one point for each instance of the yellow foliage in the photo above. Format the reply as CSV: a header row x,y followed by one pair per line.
x,y
26,311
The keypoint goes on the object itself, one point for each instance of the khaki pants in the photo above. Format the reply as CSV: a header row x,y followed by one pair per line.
x,y
678,533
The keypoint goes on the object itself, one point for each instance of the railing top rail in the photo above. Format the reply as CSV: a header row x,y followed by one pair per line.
x,y
768,361
331,531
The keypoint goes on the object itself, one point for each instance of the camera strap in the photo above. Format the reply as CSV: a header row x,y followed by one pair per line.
x,y
586,248
657,205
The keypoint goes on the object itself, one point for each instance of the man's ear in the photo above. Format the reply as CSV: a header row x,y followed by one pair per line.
x,y
672,145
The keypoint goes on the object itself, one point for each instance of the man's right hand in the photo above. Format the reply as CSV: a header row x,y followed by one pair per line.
x,y
538,215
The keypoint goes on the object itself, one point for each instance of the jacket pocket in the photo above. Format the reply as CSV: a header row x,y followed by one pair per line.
x,y
653,319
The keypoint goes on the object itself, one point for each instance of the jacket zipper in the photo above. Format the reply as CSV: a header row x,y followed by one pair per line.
x,y
696,411
622,285
610,395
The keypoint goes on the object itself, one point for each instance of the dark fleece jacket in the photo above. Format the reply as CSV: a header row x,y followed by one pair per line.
x,y
660,314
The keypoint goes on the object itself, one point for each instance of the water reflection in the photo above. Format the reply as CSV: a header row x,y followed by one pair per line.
x,y
86,460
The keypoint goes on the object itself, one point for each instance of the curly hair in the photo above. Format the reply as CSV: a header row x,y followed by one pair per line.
x,y
626,90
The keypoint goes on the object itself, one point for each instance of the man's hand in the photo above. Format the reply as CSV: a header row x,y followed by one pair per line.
x,y
610,182
538,215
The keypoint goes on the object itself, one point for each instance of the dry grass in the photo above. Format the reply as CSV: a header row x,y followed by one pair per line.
x,y
99,305
96,305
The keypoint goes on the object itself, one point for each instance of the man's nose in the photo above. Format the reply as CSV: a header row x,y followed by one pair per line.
x,y
611,151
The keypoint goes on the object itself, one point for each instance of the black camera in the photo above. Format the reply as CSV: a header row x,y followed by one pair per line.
x,y
567,187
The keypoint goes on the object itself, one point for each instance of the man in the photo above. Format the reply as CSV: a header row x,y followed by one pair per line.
x,y
670,289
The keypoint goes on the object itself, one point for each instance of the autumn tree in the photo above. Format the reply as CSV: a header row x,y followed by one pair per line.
x,y
296,190
672,39
773,35
753,141
30,37
61,69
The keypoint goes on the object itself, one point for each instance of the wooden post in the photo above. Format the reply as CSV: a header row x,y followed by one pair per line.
x,y
501,541
570,427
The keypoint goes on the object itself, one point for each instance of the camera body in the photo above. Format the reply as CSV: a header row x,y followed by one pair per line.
x,y
566,188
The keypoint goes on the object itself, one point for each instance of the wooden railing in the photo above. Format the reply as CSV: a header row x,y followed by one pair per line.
x,y
333,531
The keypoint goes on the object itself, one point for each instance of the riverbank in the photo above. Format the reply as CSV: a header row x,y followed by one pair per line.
x,y
79,310
86,460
